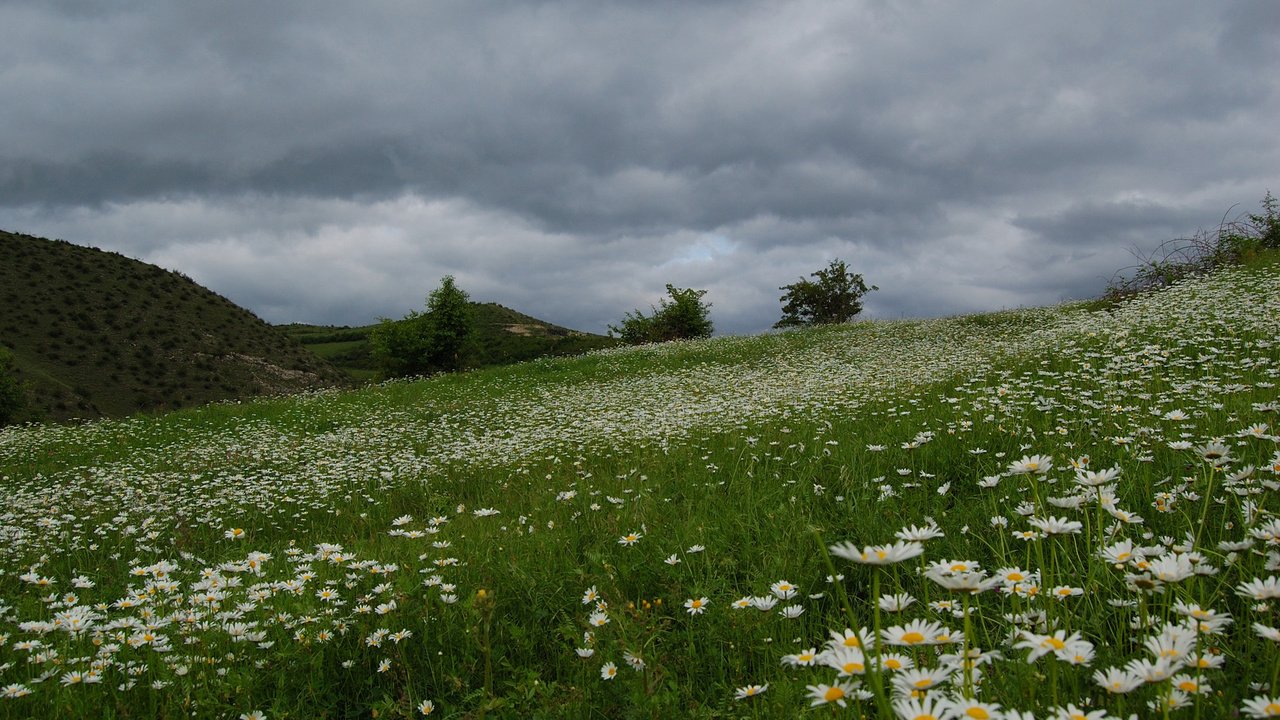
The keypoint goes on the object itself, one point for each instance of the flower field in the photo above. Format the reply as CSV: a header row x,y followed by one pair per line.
x,y
1044,513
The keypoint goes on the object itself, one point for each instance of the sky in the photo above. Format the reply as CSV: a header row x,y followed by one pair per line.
x,y
328,161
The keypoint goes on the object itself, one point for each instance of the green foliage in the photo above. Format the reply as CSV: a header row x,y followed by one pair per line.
x,y
683,317
12,399
433,341
835,297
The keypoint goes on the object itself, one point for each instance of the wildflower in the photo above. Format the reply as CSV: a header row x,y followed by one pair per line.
x,y
848,661
896,602
672,559
969,708
804,657
696,607
921,708
253,715
764,603
1117,681
590,595
918,680
748,691
635,661
585,652
426,707
916,632
1040,645
1037,464
1260,588
848,638
783,590
1056,525
630,539
1267,632
608,671
825,694
915,534
234,534
878,554
791,611
1262,706
598,619
741,603
14,690
384,665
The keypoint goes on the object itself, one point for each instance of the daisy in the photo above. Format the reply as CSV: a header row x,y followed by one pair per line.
x,y
749,691
1262,707
1056,525
916,632
848,638
917,680
962,708
896,661
1037,464
921,708
878,554
783,590
696,607
1117,681
848,661
426,707
608,671
826,694
804,657
1071,712
630,539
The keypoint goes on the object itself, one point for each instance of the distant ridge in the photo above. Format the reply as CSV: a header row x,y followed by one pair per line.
x,y
95,333
502,336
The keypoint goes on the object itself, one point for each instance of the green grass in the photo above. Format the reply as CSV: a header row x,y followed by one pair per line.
x,y
476,510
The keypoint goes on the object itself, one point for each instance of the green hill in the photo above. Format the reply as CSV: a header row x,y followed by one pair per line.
x,y
503,336
95,333
1053,512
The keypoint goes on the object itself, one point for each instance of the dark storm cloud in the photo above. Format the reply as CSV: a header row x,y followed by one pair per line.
x,y
328,161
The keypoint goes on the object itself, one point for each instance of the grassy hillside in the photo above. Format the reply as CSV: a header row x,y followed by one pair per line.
x,y
503,336
1056,511
95,333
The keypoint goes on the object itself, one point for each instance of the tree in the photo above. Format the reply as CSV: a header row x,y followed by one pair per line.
x,y
433,341
683,317
12,398
835,297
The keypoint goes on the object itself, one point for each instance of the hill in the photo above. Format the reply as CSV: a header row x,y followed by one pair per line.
x,y
95,333
999,508
503,336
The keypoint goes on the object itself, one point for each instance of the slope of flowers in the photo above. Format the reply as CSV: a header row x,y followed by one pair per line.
x,y
1080,505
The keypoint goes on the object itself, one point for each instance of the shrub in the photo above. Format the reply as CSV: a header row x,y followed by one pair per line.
x,y
433,341
683,317
835,297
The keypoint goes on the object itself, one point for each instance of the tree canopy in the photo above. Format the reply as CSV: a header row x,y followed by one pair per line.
x,y
682,317
834,297
436,340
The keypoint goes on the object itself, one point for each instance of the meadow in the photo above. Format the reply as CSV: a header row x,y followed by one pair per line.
x,y
1063,512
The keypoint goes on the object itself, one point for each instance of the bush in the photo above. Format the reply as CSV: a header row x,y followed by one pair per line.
x,y
683,317
835,297
433,341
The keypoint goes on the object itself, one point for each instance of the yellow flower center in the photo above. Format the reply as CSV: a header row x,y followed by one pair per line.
x,y
893,664
925,716
1015,577
912,638
978,713
1054,643
959,567
924,683
833,693
1272,709
1187,686
854,667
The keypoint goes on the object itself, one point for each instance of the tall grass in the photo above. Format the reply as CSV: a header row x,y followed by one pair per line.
x,y
905,519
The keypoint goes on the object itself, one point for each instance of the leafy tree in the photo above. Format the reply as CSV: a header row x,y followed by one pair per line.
x,y
433,341
12,398
682,317
835,297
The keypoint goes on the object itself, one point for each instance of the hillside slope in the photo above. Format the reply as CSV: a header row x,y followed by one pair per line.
x,y
503,336
95,333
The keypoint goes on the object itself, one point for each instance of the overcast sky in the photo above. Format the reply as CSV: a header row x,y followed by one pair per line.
x,y
329,161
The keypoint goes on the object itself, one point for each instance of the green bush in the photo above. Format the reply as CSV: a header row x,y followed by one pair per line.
x,y
835,297
683,317
437,340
